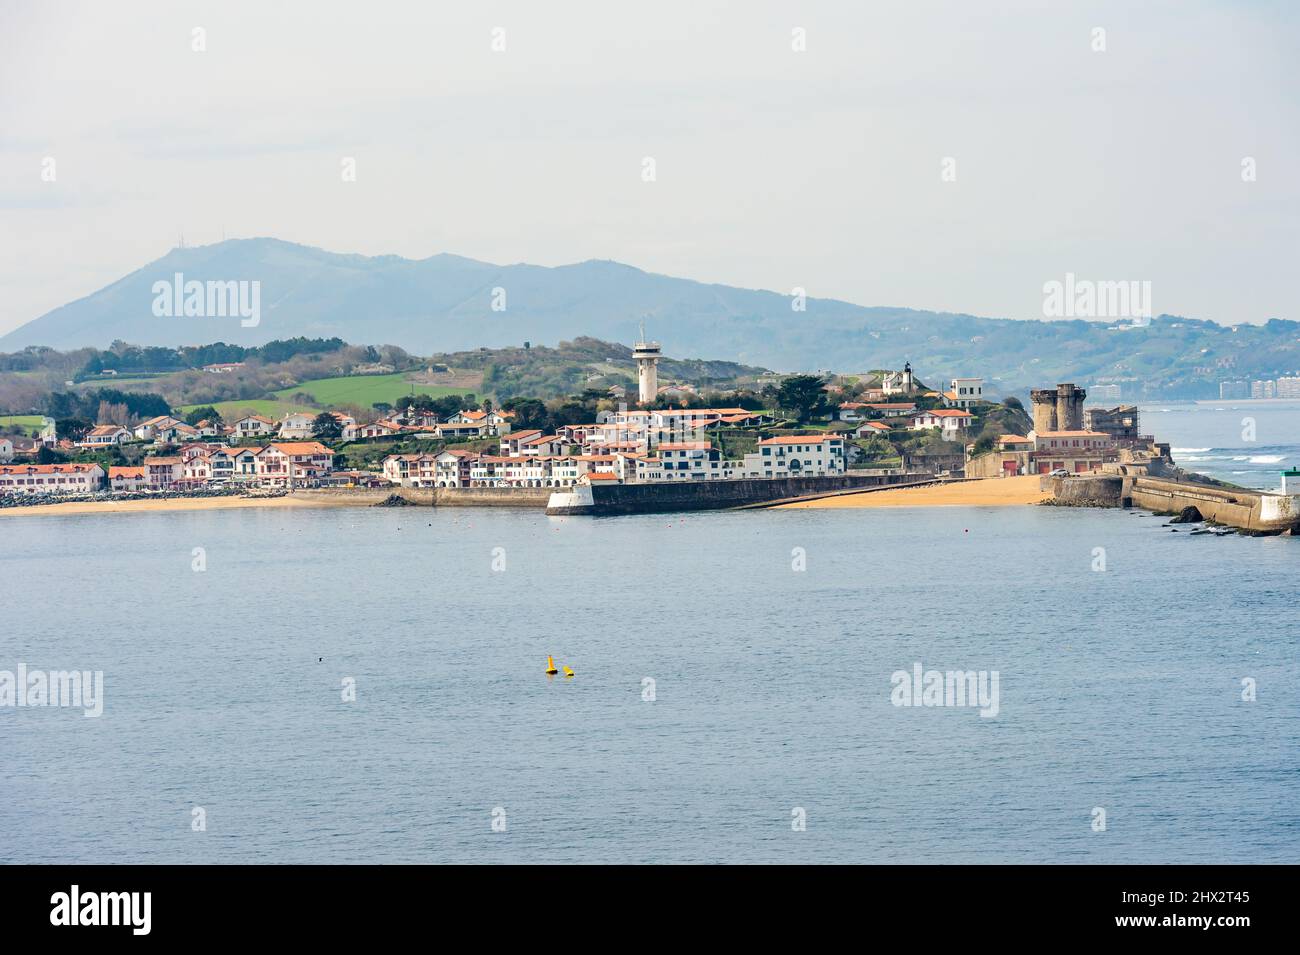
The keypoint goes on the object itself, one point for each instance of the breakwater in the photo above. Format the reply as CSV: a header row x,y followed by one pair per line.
x,y
661,497
429,497
1256,512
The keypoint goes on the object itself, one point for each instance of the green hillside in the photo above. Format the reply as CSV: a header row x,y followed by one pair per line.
x,y
364,390
230,410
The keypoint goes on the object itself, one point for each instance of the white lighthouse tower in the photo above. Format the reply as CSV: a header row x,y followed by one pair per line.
x,y
647,355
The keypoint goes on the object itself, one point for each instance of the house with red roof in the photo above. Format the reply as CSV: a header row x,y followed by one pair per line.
x,y
26,479
950,422
797,455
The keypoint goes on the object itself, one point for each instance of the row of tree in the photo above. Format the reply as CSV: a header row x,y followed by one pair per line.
x,y
124,357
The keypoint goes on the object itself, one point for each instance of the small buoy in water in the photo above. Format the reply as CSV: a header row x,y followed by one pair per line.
x,y
568,672
550,667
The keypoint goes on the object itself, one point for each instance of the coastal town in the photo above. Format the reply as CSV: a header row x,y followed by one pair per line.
x,y
888,423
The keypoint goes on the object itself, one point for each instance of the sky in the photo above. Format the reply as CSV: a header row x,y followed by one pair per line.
x,y
951,156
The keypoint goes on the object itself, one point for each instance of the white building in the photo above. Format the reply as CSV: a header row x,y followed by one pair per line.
x,y
297,424
964,392
293,463
127,479
163,472
104,436
253,426
796,455
50,478
490,422
951,422
690,460
376,429
6,450
411,470
148,430
872,429
899,382
174,433
462,430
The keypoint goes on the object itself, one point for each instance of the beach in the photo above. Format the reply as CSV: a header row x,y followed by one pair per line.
x,y
992,492
163,504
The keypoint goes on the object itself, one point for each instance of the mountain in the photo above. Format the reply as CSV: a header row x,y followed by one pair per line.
x,y
445,303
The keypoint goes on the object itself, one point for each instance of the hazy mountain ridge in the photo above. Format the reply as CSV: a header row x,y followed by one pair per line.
x,y
444,304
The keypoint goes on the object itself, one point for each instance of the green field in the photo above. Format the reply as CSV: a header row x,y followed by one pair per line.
x,y
114,380
23,422
232,410
364,390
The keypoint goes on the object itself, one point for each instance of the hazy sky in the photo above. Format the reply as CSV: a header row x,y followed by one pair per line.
x,y
775,168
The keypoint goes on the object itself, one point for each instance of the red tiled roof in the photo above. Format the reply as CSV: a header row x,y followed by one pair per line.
x,y
45,468
299,447
801,439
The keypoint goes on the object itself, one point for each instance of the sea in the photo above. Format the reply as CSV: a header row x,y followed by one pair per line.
x,y
344,685
1248,443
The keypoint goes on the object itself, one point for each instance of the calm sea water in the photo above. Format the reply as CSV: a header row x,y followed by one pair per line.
x,y
1248,443
1119,689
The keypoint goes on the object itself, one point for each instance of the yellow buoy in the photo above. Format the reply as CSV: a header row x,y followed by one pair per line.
x,y
568,672
550,667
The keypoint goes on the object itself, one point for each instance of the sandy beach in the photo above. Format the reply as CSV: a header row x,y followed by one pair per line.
x,y
993,492
165,504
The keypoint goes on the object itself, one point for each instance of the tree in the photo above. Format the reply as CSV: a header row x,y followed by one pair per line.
x,y
802,395
47,455
529,413
73,428
326,427
207,412
383,407
112,413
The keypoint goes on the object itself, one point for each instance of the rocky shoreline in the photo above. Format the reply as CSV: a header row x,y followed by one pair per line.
x,y
106,497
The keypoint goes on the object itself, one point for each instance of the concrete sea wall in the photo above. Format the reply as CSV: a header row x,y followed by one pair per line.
x,y
429,497
661,497
1247,510
1086,491
1252,511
